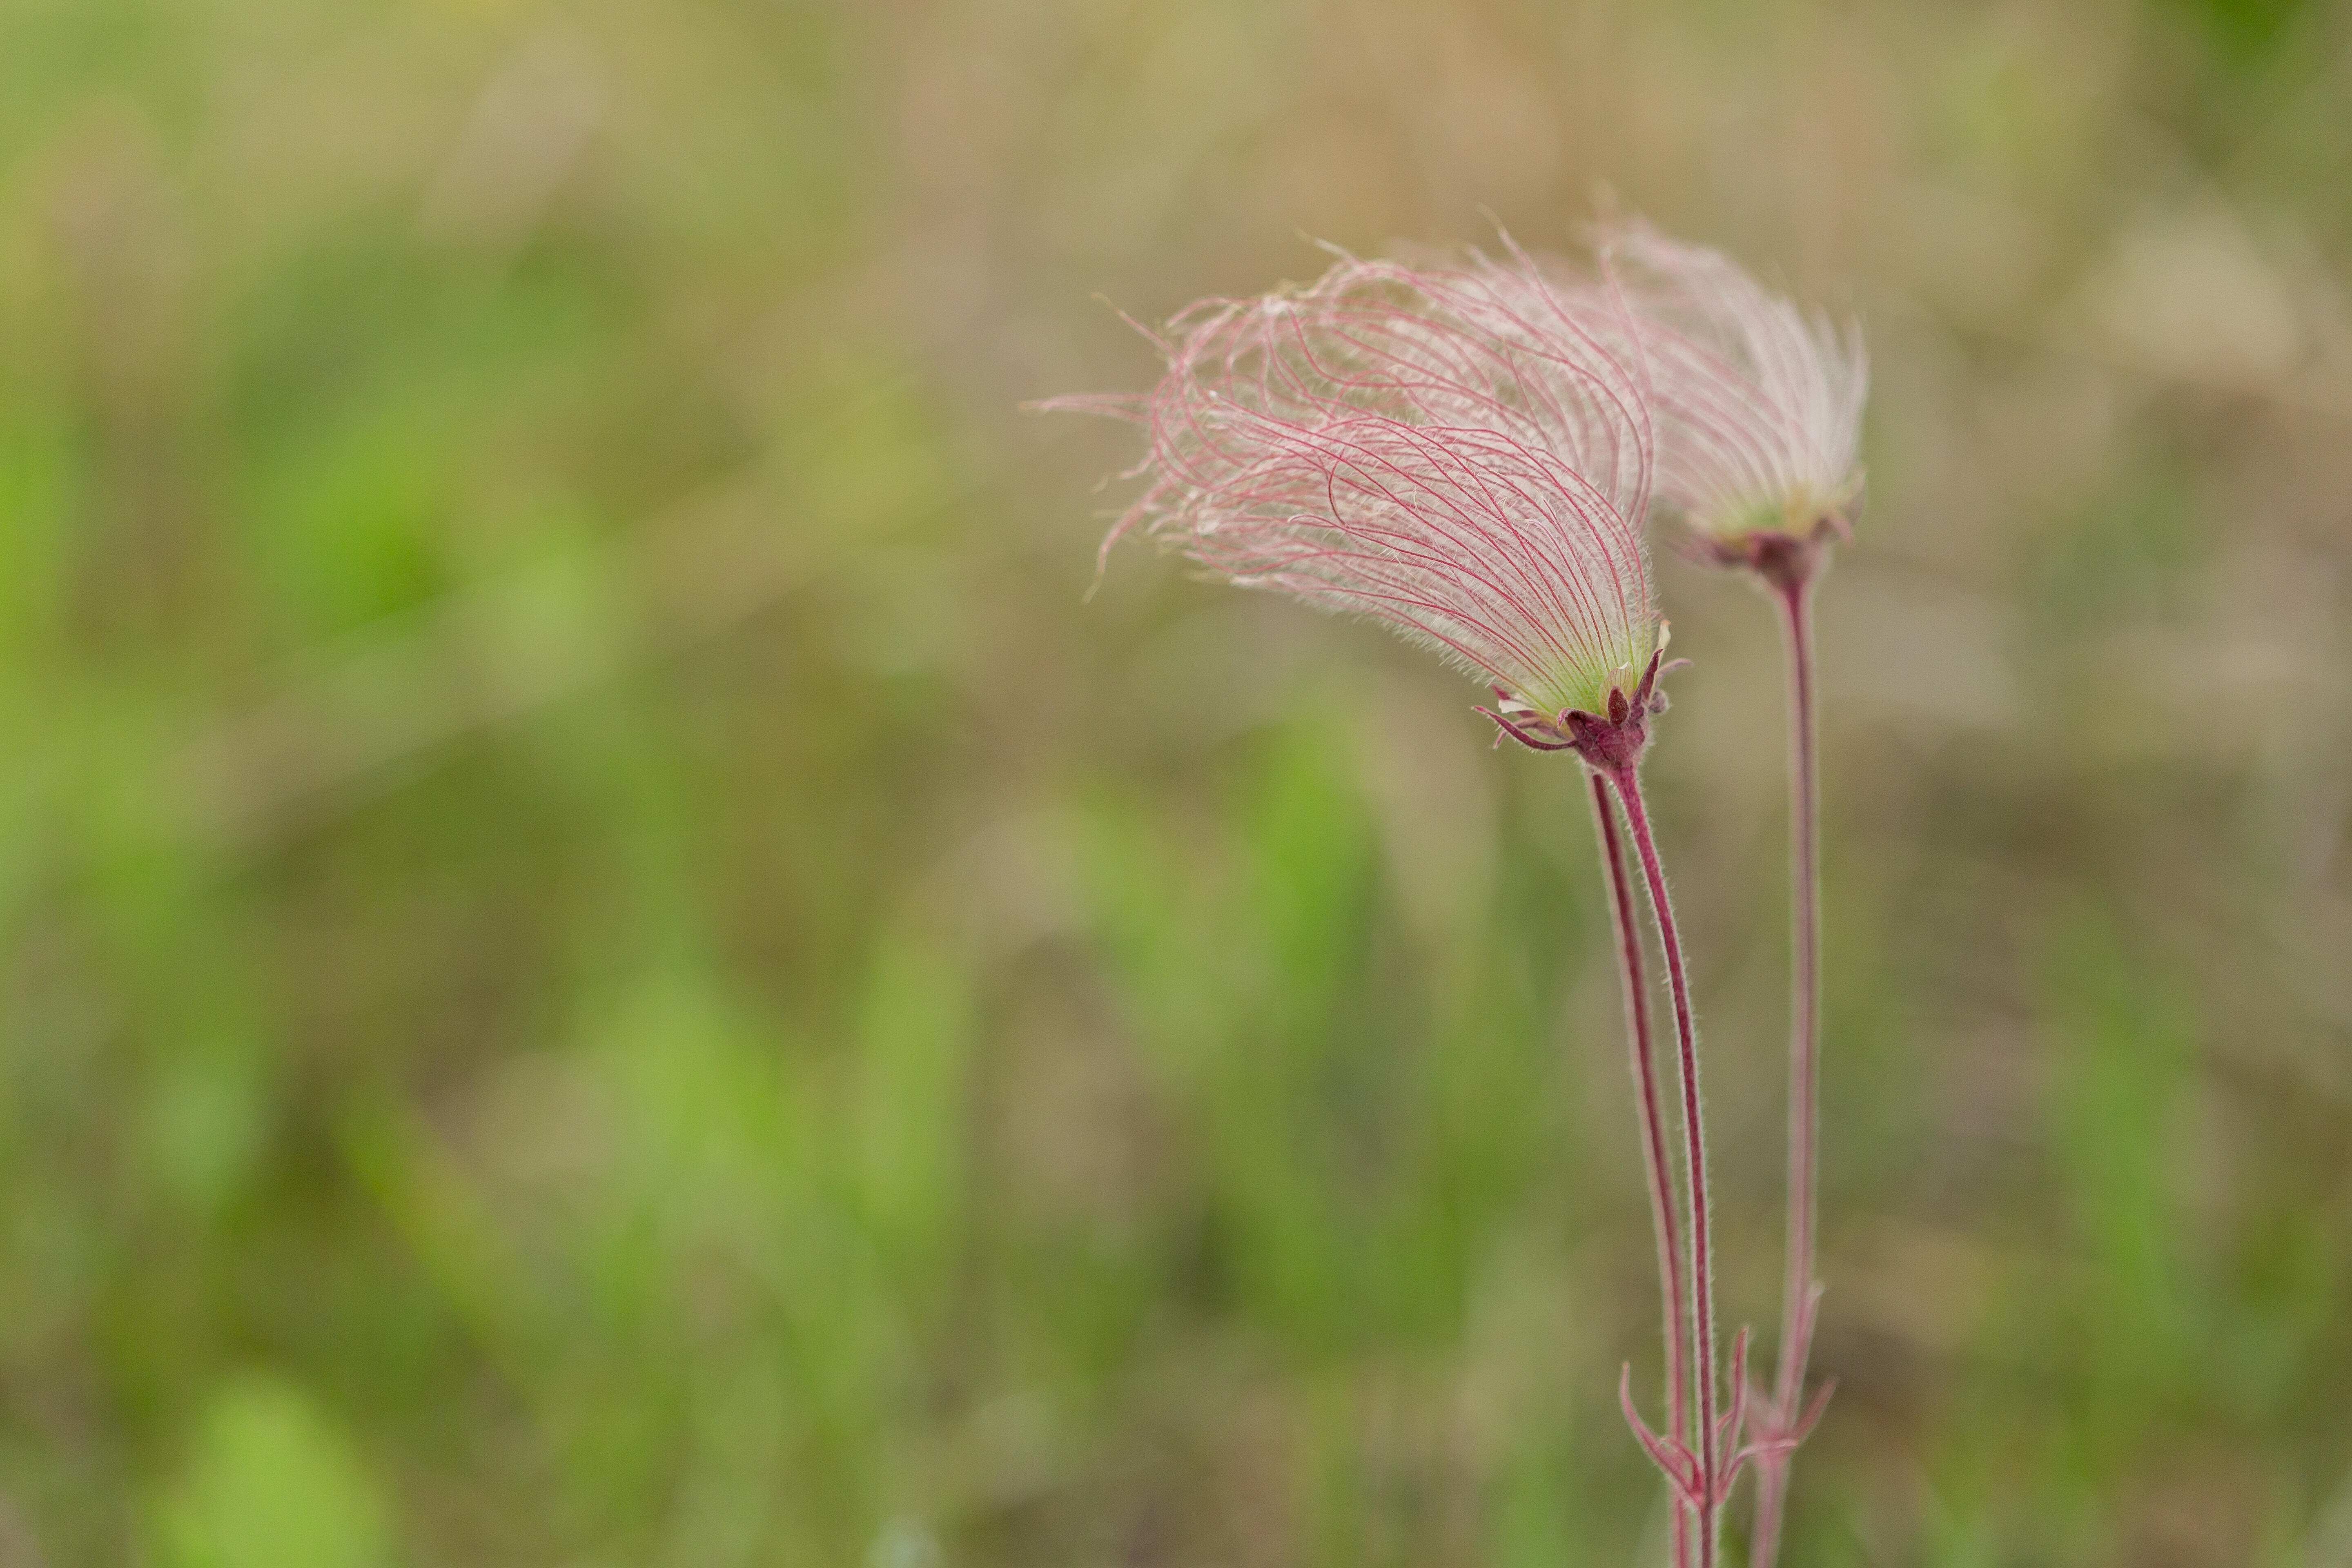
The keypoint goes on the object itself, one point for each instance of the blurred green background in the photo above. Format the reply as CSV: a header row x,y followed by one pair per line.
x,y
607,962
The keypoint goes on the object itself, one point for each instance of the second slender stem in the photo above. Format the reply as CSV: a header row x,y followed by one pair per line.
x,y
1627,782
1794,596
1653,1137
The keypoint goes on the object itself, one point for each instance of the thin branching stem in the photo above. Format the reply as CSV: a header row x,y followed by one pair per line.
x,y
1655,1158
1627,782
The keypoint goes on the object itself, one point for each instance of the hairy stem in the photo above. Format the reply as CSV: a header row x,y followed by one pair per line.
x,y
1794,595
1653,1137
1627,781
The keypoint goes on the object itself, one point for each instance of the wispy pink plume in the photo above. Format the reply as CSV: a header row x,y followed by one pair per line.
x,y
1454,452
1758,407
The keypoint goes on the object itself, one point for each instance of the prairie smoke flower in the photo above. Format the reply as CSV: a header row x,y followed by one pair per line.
x,y
1455,453
1466,454
1758,408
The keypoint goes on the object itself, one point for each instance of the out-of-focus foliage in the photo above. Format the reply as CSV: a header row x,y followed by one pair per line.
x,y
606,962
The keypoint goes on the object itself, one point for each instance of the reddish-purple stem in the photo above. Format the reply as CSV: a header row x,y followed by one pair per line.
x,y
1793,592
1627,781
1654,1139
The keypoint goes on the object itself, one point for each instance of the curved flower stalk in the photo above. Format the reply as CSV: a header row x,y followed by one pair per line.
x,y
1759,414
1466,455
1626,921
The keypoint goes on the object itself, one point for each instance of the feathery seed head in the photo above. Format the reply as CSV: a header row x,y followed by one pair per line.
x,y
1758,408
1456,452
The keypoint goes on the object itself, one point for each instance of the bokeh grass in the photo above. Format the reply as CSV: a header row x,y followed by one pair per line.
x,y
606,960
